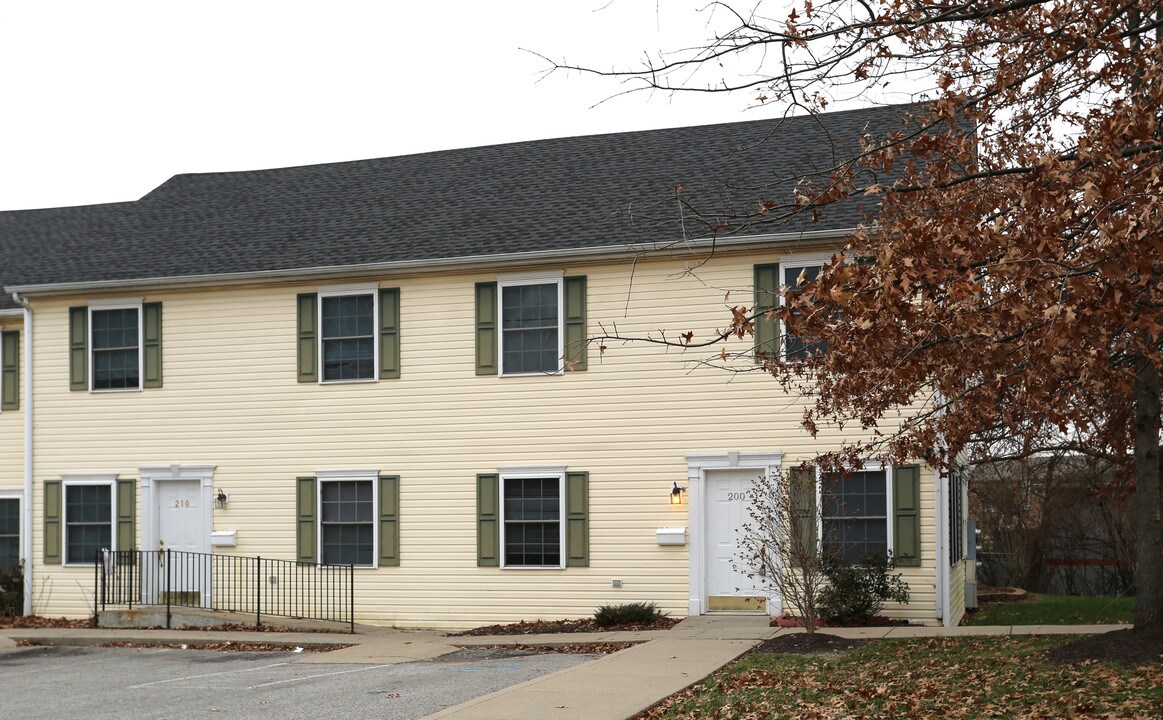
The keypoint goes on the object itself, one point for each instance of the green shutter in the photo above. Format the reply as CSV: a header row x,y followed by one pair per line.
x,y
802,493
126,514
151,334
906,500
306,498
52,522
389,333
78,348
389,520
486,328
308,351
10,383
575,323
766,298
488,520
577,529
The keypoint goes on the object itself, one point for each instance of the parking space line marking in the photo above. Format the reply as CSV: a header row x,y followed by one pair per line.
x,y
195,677
311,677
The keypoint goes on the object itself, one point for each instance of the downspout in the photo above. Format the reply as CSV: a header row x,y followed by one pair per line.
x,y
26,536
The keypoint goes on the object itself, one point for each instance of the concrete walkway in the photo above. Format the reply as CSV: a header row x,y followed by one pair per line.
x,y
614,687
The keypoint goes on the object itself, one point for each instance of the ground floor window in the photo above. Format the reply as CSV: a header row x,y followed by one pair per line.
x,y
88,521
9,532
531,527
855,514
346,520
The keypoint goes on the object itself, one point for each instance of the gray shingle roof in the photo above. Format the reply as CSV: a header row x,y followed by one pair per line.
x,y
561,194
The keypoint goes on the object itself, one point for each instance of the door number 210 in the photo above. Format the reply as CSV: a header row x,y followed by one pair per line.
x,y
181,503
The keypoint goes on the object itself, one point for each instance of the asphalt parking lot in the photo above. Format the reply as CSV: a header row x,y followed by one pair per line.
x,y
156,684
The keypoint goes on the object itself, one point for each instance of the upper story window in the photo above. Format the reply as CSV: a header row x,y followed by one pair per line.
x,y
115,345
347,327
116,348
9,370
795,276
531,324
530,328
348,333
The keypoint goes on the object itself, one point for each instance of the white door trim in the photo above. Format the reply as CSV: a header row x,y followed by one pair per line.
x,y
697,466
151,474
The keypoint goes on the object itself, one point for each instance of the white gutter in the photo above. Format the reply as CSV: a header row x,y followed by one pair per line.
x,y
443,264
26,506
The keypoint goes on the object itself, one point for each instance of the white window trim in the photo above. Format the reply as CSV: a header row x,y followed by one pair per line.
x,y
67,481
557,278
533,473
889,502
117,304
795,262
330,291
326,476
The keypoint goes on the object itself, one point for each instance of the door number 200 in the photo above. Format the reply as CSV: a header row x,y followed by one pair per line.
x,y
736,496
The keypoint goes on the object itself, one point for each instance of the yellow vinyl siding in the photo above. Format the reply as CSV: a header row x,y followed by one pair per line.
x,y
231,399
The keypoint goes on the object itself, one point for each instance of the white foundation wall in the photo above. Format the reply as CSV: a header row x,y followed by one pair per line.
x,y
230,399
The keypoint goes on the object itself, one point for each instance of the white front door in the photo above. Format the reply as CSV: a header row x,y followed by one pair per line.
x,y
181,529
729,584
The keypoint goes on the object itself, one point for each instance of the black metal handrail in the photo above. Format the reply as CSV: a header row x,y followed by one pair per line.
x,y
231,583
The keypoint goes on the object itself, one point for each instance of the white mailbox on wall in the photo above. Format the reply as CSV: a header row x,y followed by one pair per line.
x,y
671,535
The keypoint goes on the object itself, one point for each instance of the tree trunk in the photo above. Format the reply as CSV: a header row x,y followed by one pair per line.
x,y
1149,544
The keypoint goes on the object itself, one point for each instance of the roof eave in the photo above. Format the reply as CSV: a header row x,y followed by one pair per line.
x,y
439,265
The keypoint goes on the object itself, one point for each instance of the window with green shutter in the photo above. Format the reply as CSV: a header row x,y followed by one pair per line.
x,y
86,514
115,346
340,515
346,335
10,371
535,519
532,324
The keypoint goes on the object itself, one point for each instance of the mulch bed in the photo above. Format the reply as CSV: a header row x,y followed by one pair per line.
x,y
809,644
874,621
538,627
1127,647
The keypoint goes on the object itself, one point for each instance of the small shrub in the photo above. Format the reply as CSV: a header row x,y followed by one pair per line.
x,y
856,593
12,590
627,614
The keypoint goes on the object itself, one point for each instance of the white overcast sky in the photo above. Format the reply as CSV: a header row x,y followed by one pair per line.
x,y
103,101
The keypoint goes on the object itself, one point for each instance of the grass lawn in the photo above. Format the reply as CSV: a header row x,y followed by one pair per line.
x,y
1055,610
978,677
